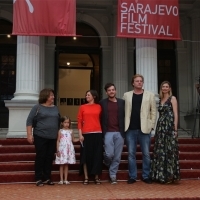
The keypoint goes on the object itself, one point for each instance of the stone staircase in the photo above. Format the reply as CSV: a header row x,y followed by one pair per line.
x,y
17,162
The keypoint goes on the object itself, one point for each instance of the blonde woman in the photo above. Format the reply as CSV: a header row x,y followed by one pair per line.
x,y
165,161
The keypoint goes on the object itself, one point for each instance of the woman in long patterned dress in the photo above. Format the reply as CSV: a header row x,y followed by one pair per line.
x,y
165,161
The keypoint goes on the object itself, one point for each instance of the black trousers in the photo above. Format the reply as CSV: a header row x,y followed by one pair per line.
x,y
92,154
45,150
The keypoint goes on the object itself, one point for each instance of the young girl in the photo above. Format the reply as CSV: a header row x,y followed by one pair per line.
x,y
65,149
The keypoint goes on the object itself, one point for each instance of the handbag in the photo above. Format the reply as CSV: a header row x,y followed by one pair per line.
x,y
35,118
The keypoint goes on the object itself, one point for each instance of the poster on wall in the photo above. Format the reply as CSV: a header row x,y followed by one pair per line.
x,y
148,19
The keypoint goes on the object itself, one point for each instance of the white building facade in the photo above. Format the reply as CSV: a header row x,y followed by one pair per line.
x,y
41,62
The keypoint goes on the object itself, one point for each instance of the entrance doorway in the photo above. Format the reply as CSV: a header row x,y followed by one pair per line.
x,y
78,68
167,64
77,73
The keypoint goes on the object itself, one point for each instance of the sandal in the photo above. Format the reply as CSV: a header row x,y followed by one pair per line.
x,y
48,182
85,182
39,183
66,182
97,181
60,183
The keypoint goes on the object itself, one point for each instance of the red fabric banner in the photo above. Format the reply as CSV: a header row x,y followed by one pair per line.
x,y
153,19
44,17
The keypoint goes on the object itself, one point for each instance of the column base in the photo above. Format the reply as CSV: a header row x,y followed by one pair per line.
x,y
27,96
18,113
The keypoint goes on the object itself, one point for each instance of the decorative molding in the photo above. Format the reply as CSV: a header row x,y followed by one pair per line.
x,y
97,26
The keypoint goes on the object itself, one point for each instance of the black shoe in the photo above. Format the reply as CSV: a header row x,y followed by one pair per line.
x,y
147,180
131,181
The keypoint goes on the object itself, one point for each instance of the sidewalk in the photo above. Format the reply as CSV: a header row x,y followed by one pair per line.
x,y
185,189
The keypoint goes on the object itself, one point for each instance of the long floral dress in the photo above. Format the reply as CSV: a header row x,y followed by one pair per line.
x,y
165,161
66,148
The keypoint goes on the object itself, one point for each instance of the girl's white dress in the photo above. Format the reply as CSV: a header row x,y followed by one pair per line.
x,y
66,148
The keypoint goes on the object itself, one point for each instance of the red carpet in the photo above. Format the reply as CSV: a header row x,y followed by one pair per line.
x,y
17,162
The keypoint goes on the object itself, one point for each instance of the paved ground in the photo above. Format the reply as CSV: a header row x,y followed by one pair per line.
x,y
185,189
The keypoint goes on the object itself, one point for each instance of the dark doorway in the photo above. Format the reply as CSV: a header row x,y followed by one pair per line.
x,y
77,68
167,64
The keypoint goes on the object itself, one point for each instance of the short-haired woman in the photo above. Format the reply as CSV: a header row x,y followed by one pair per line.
x,y
44,135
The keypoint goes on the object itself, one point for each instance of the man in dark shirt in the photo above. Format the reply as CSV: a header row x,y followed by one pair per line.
x,y
112,122
140,118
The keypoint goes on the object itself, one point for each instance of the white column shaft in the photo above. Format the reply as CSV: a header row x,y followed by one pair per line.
x,y
146,63
42,62
28,60
195,53
120,66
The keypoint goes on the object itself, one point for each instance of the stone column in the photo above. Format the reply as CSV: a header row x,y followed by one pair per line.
x,y
195,19
28,60
146,63
195,37
106,68
27,84
50,62
42,63
131,61
120,62
184,79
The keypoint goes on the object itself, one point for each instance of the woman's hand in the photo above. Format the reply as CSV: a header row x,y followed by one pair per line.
x,y
58,153
81,138
30,138
175,134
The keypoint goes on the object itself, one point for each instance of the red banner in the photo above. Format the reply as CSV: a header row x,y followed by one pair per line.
x,y
157,19
44,17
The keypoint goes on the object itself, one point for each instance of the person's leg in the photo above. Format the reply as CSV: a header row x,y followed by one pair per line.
x,y
109,148
61,172
51,149
65,172
118,146
145,140
131,142
97,156
86,181
40,148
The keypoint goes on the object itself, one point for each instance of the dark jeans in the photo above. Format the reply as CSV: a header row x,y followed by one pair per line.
x,y
132,137
45,149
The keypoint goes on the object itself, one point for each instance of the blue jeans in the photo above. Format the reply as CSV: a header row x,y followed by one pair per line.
x,y
113,145
132,138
